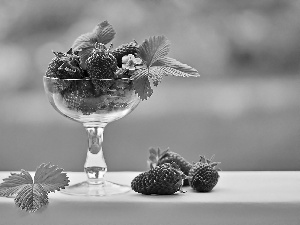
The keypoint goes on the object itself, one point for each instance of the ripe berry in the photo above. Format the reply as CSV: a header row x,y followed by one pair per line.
x,y
79,95
167,156
165,179
64,66
101,64
203,175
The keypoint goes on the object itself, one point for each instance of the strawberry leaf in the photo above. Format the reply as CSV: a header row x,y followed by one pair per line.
x,y
14,183
102,33
153,151
156,74
153,49
32,195
153,158
169,71
175,68
142,87
84,54
50,177
84,44
153,52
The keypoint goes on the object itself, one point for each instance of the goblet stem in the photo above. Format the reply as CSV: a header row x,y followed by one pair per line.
x,y
95,166
78,100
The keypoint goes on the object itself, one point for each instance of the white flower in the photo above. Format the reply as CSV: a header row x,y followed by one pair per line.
x,y
129,62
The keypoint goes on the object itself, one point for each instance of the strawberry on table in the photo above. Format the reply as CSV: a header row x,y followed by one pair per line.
x,y
167,156
203,175
165,179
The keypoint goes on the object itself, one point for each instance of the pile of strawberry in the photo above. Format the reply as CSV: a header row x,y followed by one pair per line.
x,y
169,171
99,62
90,59
90,70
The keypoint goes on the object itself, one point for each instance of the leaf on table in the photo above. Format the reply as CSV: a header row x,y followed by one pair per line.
x,y
32,195
14,183
50,177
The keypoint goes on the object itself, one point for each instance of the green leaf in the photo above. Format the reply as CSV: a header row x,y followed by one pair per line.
x,y
154,49
32,195
83,42
50,177
142,87
102,33
182,69
139,73
153,52
156,74
14,182
84,54
153,158
169,71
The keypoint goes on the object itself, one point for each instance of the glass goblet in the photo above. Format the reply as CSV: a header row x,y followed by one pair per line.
x,y
94,103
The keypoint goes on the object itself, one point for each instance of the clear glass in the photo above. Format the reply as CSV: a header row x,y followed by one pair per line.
x,y
94,103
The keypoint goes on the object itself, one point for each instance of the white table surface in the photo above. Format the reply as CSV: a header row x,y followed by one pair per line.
x,y
240,198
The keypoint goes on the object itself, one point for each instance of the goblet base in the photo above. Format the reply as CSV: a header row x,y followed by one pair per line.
x,y
105,188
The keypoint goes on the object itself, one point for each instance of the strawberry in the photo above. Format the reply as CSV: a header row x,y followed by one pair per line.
x,y
57,85
101,86
101,64
167,156
64,66
78,96
73,100
125,49
165,179
203,175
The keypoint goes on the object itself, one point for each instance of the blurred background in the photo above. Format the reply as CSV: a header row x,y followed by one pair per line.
x,y
245,107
